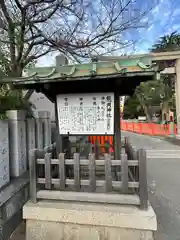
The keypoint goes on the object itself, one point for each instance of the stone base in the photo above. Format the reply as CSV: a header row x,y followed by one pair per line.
x,y
12,199
63,221
9,226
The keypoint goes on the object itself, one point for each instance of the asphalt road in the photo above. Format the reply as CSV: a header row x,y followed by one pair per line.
x,y
163,168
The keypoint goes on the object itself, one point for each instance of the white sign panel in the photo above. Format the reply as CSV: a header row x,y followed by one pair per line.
x,y
86,114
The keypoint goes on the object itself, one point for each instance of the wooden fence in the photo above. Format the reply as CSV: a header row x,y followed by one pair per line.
x,y
130,188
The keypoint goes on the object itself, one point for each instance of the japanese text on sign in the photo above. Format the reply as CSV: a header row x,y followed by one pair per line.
x,y
86,114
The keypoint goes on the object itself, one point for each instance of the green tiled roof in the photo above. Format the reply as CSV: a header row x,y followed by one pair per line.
x,y
129,67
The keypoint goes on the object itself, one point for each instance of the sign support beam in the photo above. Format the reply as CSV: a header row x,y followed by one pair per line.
x,y
117,132
58,136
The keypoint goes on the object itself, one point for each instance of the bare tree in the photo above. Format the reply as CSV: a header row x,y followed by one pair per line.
x,y
32,28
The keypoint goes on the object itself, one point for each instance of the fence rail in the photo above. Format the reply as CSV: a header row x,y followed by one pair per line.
x,y
129,188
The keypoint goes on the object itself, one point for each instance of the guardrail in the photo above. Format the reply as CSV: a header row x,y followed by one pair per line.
x,y
149,128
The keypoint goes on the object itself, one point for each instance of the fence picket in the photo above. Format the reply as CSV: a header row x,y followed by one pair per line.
x,y
48,170
96,149
143,191
90,148
92,173
77,171
108,174
62,171
124,173
130,169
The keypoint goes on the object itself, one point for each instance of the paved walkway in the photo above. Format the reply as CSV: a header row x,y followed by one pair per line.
x,y
163,167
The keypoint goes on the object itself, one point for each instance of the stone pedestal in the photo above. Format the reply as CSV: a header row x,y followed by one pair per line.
x,y
69,220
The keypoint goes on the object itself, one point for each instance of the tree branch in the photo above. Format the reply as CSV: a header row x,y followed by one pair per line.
x,y
10,30
22,35
31,58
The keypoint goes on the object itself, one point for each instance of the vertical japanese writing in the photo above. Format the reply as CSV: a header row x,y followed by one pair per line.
x,y
86,113
109,111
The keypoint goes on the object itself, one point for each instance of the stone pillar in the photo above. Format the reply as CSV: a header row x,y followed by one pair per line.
x,y
17,142
39,131
177,89
30,133
43,129
4,153
46,119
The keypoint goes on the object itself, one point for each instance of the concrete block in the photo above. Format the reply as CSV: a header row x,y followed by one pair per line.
x,y
36,230
62,221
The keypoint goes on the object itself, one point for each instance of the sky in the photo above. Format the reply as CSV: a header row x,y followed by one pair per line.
x,y
164,18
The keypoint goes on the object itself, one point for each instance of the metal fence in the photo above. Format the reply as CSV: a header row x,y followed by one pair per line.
x,y
87,183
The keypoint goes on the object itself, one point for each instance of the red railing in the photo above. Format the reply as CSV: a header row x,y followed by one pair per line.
x,y
141,128
148,128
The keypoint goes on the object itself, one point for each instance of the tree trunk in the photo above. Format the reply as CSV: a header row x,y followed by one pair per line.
x,y
148,115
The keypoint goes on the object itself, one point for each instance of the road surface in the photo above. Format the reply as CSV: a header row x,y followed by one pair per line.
x,y
163,167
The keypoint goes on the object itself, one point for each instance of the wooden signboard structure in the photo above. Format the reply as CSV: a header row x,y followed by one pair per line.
x,y
86,96
86,114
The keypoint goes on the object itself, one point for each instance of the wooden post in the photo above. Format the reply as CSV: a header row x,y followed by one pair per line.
x,y
77,171
108,175
92,173
58,136
117,133
124,173
96,150
48,177
62,171
143,190
89,150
